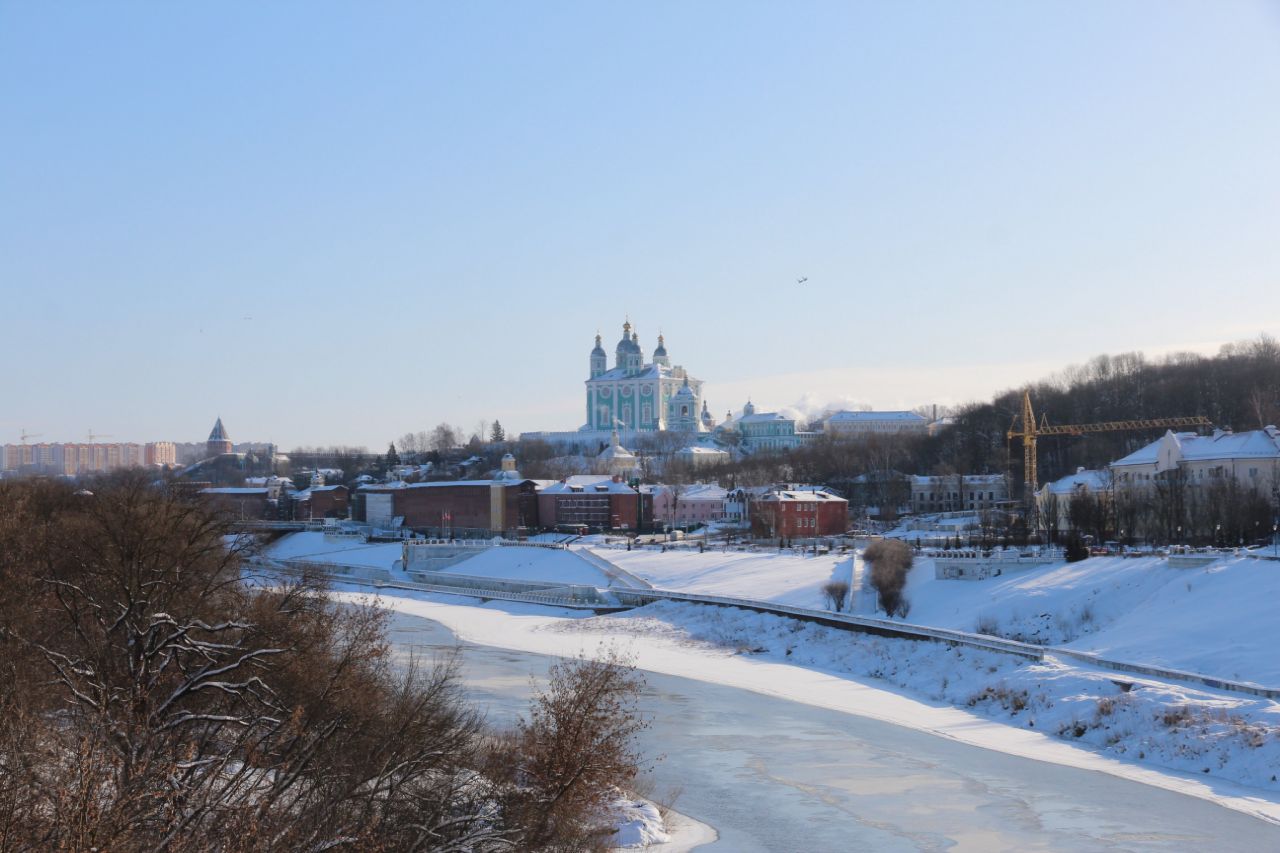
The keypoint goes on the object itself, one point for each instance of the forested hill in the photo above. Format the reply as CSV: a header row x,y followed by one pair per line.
x,y
1238,388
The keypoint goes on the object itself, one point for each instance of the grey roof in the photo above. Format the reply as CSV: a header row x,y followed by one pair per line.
x,y
219,432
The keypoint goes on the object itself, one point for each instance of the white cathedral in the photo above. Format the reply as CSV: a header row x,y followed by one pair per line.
x,y
634,398
638,397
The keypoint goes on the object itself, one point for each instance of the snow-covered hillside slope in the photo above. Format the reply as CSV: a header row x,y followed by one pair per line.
x,y
767,575
1221,620
512,563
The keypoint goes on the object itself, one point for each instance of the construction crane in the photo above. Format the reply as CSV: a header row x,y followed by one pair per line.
x,y
1030,431
93,435
24,435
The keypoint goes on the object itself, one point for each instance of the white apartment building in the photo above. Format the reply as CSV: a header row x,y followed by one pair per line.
x,y
1251,458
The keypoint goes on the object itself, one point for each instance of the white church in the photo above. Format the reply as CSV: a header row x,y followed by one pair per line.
x,y
635,397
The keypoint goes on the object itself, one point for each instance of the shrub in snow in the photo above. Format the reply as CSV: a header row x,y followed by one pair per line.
x,y
835,593
890,561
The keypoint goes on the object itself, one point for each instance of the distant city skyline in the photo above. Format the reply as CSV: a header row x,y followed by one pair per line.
x,y
332,225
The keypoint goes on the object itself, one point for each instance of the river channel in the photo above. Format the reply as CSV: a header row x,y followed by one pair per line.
x,y
774,775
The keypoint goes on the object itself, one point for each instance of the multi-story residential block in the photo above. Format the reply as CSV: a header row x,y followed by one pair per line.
x,y
71,458
162,453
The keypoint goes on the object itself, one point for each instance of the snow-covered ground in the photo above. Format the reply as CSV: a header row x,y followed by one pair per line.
x,y
1218,620
1221,620
323,548
539,564
1203,743
511,563
785,578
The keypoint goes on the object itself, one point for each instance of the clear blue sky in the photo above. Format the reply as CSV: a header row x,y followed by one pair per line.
x,y
427,210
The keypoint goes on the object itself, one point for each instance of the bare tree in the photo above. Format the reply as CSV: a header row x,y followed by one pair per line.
x,y
150,699
576,748
445,438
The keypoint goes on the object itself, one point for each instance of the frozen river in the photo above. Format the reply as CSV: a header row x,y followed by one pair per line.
x,y
774,775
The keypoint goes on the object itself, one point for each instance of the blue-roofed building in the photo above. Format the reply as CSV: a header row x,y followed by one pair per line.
x,y
867,423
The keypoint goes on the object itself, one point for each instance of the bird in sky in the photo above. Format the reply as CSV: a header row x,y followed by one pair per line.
x,y
802,279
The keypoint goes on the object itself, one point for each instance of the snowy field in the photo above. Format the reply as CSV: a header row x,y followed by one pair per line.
x,y
768,575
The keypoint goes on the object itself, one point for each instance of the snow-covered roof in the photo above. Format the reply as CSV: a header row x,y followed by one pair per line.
x,y
649,371
616,451
268,481
854,417
1083,478
796,496
379,487
763,417
589,484
704,492
1254,444
233,490
699,450
445,483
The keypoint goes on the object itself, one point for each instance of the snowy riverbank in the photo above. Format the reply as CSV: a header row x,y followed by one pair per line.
x,y
896,681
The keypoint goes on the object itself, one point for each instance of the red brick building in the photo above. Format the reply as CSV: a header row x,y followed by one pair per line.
x,y
465,507
321,502
598,502
799,514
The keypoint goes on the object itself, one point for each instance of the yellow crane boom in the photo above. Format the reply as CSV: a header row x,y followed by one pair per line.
x,y
1030,431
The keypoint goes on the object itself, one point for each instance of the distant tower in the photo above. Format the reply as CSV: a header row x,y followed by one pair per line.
x,y
748,409
599,361
637,355
708,422
660,354
218,442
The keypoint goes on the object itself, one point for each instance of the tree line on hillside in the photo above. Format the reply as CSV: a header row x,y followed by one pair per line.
x,y
1238,388
154,698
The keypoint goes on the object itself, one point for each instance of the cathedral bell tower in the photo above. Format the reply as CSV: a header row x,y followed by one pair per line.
x,y
599,361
